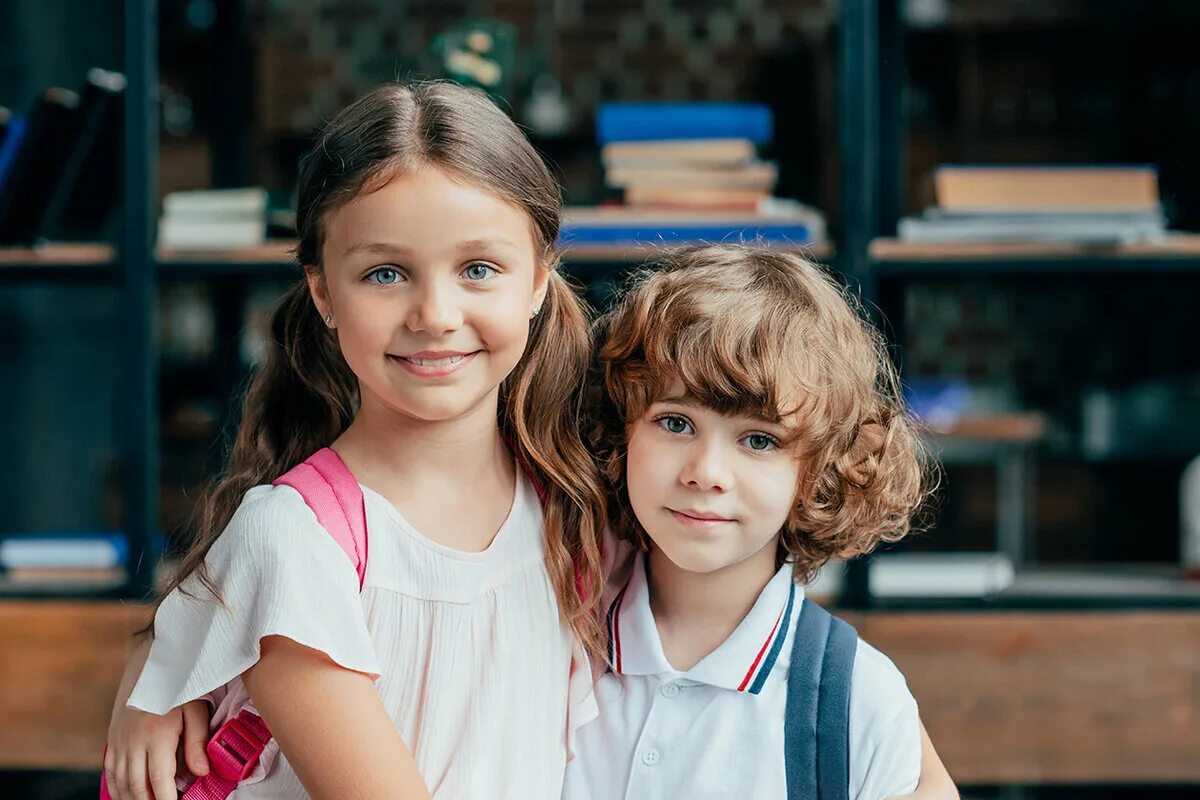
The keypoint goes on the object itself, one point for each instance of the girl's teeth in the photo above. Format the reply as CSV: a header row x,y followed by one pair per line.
x,y
435,362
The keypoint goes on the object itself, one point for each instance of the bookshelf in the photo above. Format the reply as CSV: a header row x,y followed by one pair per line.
x,y
1053,657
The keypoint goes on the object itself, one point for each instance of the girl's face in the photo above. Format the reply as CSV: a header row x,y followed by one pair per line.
x,y
431,284
710,490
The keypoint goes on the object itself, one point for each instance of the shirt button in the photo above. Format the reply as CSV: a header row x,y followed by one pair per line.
x,y
650,758
670,689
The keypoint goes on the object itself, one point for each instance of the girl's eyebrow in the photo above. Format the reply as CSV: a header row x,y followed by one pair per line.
x,y
389,248
377,248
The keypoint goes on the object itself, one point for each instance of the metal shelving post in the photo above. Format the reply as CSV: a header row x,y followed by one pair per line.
x,y
140,296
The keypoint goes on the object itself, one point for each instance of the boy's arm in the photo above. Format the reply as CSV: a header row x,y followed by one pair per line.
x,y
331,725
140,756
936,783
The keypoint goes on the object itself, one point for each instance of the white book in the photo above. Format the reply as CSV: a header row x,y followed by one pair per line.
x,y
244,202
182,234
48,553
940,575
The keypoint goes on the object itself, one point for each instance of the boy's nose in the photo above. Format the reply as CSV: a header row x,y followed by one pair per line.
x,y
706,469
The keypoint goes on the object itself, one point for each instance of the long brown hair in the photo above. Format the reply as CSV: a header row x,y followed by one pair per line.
x,y
749,330
304,395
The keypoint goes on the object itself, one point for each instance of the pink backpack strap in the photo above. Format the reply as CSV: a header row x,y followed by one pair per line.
x,y
333,494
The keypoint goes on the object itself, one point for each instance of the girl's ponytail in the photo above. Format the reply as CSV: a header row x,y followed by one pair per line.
x,y
543,407
301,398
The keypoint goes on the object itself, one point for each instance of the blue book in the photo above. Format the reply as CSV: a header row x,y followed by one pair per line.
x,y
11,145
64,550
632,233
634,122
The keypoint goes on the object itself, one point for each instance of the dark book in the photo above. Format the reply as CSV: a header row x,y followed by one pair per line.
x,y
37,165
88,188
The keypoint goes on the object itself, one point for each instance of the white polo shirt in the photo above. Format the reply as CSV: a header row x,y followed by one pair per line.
x,y
716,730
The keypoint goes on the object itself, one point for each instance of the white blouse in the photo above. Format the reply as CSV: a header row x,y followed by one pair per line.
x,y
472,660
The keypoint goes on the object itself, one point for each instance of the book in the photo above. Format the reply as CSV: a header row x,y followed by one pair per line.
x,y
37,165
14,135
695,197
40,576
760,176
210,234
649,121
86,191
939,575
678,153
1047,187
85,550
214,219
1095,229
623,226
216,202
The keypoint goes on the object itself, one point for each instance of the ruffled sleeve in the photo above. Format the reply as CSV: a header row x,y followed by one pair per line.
x,y
279,573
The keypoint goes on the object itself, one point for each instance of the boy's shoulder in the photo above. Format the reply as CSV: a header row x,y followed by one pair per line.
x,y
878,688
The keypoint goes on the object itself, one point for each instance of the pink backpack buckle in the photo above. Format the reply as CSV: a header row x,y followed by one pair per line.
x,y
236,747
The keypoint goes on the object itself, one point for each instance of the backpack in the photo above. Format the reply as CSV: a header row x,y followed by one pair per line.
x,y
333,494
816,724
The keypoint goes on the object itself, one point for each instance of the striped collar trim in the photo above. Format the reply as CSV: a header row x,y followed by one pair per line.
x,y
742,663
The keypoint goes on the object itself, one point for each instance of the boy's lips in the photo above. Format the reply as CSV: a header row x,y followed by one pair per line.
x,y
699,520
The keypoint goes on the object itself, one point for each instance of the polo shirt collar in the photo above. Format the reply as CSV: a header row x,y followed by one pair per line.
x,y
742,663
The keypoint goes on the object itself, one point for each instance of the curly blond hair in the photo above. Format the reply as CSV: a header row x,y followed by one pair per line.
x,y
754,331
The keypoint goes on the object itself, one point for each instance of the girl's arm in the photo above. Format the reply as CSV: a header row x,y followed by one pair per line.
x,y
140,756
936,783
331,725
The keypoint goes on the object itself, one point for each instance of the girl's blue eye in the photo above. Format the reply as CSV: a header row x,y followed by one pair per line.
x,y
760,442
384,276
673,423
478,272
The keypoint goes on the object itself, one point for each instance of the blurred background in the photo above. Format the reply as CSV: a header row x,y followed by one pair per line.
x,y
1012,187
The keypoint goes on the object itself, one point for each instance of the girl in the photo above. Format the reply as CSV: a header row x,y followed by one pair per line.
x,y
426,224
435,349
751,430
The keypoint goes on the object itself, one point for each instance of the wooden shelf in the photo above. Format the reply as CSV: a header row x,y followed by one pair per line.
x,y
92,262
1020,428
1050,698
96,254
61,663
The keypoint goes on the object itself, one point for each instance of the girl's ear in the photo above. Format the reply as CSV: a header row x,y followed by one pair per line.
x,y
541,284
318,291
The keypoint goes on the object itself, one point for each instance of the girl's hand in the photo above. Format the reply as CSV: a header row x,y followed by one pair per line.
x,y
935,782
140,759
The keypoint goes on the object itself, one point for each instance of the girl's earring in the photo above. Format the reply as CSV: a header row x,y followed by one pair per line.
x,y
328,319
534,311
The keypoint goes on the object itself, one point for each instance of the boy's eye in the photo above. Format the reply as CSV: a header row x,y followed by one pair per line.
x,y
672,423
478,271
760,442
384,276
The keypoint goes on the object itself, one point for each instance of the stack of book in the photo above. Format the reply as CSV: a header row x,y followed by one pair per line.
x,y
687,155
689,172
1087,204
91,560
214,219
60,162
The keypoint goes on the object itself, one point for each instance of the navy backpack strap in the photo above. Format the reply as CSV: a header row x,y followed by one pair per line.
x,y
816,726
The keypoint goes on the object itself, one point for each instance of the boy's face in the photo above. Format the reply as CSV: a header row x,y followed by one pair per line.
x,y
710,490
